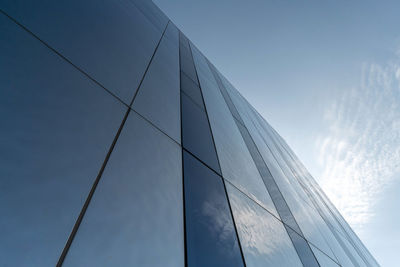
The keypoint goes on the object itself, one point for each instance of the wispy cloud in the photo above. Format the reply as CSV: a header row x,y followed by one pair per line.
x,y
361,150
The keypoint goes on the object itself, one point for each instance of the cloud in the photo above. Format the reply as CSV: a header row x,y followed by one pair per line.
x,y
360,153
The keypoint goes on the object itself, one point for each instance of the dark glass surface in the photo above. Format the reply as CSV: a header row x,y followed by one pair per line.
x,y
237,166
303,249
158,96
279,202
196,134
135,217
56,129
192,90
186,59
210,234
263,238
225,94
112,41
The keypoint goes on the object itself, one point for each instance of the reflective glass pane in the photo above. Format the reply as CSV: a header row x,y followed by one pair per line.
x,y
210,234
310,224
303,249
186,59
263,238
237,165
158,96
136,212
225,94
273,189
112,41
351,252
191,89
56,129
196,133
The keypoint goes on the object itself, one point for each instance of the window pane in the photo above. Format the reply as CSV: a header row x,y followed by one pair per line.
x,y
158,96
263,238
110,40
303,249
135,216
191,89
186,59
210,234
237,166
196,133
57,127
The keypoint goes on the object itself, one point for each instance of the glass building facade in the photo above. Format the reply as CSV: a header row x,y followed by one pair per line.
x,y
122,145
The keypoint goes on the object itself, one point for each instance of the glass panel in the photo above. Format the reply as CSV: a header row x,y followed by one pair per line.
x,y
271,186
210,234
135,217
186,59
237,166
112,41
158,96
311,229
196,133
337,249
303,249
191,89
225,94
323,259
56,129
263,238
351,252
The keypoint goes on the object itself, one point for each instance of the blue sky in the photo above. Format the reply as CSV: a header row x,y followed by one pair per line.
x,y
326,75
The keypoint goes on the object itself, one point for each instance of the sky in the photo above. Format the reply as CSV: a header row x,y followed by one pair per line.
x,y
326,76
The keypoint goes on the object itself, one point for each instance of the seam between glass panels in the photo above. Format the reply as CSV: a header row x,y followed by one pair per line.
x,y
183,172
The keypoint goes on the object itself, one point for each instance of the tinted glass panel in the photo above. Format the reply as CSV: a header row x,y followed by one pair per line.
x,y
191,89
56,129
186,59
135,216
263,238
236,163
226,96
210,234
196,133
158,96
110,40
